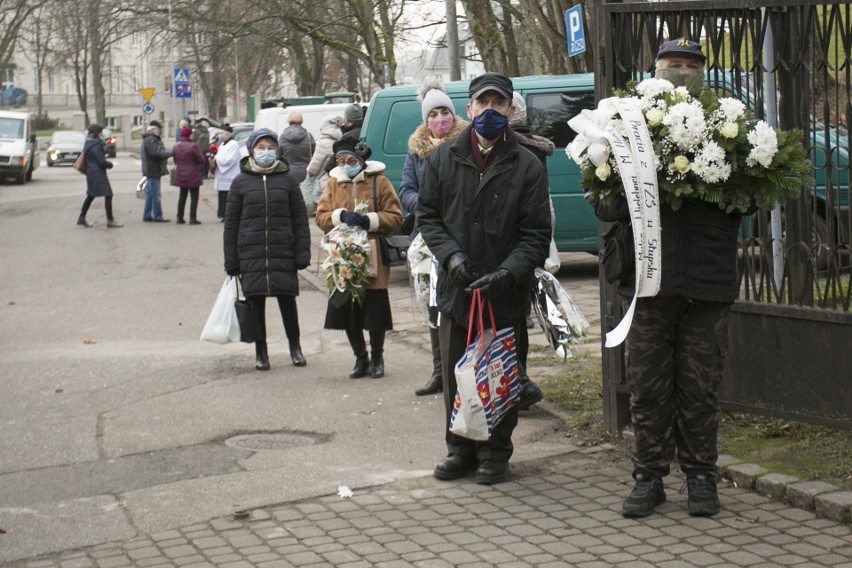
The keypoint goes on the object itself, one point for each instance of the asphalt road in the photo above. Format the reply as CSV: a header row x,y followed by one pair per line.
x,y
115,420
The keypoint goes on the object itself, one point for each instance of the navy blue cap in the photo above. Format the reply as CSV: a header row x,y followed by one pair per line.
x,y
681,46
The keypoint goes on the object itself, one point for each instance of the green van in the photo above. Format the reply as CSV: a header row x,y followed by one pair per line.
x,y
394,113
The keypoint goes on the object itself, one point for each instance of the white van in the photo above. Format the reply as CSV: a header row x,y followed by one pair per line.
x,y
275,118
18,153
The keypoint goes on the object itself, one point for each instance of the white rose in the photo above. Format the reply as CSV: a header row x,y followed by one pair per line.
x,y
654,116
730,130
680,165
603,171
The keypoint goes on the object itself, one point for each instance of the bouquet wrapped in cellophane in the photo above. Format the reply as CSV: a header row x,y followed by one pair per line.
x,y
348,262
559,316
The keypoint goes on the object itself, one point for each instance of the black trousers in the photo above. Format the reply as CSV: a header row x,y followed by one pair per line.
x,y
676,352
107,206
289,314
223,202
453,339
193,202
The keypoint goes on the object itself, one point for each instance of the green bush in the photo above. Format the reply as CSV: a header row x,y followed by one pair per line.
x,y
44,122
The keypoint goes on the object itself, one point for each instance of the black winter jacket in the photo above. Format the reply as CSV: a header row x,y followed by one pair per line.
x,y
499,219
699,248
266,235
154,156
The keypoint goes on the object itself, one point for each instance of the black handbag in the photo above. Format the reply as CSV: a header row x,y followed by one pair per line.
x,y
618,256
250,331
393,248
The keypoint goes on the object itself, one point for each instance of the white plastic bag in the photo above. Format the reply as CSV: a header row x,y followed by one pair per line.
x,y
552,263
222,325
141,187
311,191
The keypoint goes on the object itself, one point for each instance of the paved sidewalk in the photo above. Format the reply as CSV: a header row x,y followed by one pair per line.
x,y
564,512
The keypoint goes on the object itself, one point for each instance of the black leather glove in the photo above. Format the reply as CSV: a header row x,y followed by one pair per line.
x,y
493,284
458,270
355,219
233,272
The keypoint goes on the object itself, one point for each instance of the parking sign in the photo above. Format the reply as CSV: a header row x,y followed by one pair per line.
x,y
574,29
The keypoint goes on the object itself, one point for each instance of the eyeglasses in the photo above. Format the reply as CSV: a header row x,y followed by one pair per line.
x,y
347,162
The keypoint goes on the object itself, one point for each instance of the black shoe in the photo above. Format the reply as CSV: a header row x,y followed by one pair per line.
x,y
702,499
261,362
530,395
454,466
180,222
161,220
646,495
149,220
434,386
82,222
377,368
361,368
194,222
297,357
491,472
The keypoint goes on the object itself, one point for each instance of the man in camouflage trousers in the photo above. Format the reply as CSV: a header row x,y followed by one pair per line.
x,y
678,340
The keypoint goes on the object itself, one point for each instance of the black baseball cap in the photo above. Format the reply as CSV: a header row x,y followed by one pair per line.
x,y
491,82
681,46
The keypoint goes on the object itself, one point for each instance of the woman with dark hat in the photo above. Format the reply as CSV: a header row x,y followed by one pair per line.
x,y
267,238
97,183
355,179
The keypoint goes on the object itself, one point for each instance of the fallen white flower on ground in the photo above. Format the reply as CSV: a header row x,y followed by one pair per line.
x,y
343,492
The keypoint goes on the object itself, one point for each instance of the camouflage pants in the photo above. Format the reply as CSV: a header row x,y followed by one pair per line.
x,y
675,357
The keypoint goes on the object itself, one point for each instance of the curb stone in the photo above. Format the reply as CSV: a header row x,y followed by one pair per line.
x,y
803,494
836,506
774,485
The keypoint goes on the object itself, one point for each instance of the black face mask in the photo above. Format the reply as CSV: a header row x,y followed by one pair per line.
x,y
692,79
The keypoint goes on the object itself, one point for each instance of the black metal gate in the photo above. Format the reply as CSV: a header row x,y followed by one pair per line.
x,y
791,329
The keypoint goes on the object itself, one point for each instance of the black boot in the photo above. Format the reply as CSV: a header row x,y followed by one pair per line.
x,y
296,356
359,348
261,362
81,220
435,384
377,350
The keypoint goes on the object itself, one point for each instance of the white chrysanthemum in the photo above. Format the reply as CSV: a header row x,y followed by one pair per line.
x,y
686,123
710,164
681,94
650,88
731,109
764,143
713,152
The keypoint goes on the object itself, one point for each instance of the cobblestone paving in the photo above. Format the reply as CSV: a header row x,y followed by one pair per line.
x,y
561,513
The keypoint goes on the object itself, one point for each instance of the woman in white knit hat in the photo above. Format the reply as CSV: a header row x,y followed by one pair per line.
x,y
440,124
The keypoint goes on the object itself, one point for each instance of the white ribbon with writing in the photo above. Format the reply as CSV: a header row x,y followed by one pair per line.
x,y
635,160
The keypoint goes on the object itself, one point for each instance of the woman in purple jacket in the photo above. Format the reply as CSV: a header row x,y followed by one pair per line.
x,y
188,163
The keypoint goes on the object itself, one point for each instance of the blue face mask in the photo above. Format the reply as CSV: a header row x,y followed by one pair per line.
x,y
351,171
490,124
265,157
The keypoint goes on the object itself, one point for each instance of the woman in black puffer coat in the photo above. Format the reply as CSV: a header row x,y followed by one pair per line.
x,y
97,182
267,238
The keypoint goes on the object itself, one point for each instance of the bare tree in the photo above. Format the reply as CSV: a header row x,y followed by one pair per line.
x,y
13,15
39,36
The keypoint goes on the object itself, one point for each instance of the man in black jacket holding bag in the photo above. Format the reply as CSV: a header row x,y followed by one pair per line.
x,y
483,211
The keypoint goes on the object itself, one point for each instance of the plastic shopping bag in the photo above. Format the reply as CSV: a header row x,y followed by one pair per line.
x,y
487,377
311,191
222,325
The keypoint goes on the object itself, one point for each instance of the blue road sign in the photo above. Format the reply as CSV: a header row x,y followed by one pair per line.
x,y
574,27
180,75
183,90
147,108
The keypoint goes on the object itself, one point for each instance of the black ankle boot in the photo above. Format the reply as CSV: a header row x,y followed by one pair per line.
x,y
361,368
377,367
434,385
81,220
261,362
297,357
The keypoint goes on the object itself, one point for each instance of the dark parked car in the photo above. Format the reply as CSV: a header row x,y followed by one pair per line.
x,y
109,143
65,147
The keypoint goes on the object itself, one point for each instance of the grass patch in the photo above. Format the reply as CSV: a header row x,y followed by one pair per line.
x,y
792,448
577,389
802,450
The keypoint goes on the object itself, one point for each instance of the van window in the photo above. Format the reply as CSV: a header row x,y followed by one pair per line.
x,y
548,114
11,128
401,112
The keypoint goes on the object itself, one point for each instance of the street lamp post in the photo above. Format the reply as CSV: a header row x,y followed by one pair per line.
x,y
172,81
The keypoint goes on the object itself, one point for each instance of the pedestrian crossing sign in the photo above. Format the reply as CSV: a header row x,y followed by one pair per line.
x,y
181,75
